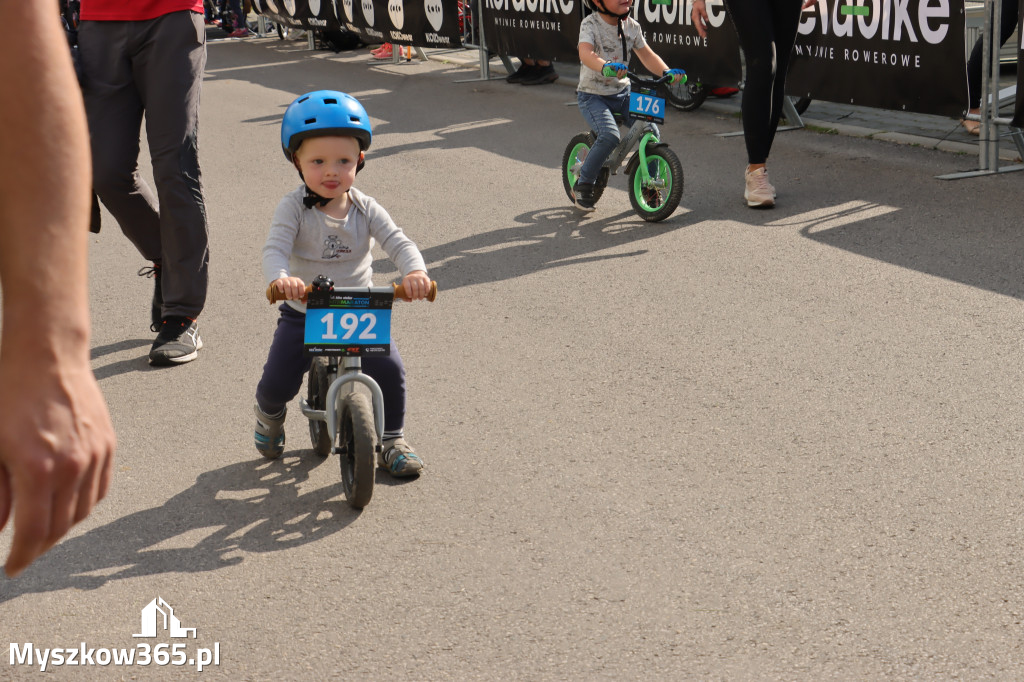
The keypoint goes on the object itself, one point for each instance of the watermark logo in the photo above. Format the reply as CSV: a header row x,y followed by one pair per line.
x,y
158,622
151,620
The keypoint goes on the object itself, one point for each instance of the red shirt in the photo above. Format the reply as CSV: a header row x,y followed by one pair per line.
x,y
134,10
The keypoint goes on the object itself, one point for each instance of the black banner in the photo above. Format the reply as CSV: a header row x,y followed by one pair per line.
x,y
307,14
535,29
905,55
421,23
714,60
1018,116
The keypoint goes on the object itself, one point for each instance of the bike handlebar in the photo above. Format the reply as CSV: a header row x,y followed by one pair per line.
x,y
648,82
273,294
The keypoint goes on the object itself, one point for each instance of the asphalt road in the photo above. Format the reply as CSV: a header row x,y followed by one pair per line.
x,y
734,445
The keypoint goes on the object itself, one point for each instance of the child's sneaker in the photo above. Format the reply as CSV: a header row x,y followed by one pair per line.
x,y
583,196
398,458
269,434
385,52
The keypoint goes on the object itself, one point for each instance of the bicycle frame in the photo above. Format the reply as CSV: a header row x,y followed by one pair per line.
x,y
642,132
353,375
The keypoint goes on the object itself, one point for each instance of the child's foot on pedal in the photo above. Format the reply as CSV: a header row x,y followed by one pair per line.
x,y
398,458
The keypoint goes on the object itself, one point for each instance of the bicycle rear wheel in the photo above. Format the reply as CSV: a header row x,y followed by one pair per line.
x,y
357,447
572,160
316,396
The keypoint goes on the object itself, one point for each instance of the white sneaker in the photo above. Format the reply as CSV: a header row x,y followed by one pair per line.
x,y
759,193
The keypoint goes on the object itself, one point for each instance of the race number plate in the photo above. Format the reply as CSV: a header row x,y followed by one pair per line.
x,y
647,106
348,324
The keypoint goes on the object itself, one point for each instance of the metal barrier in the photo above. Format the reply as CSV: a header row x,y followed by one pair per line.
x,y
991,100
473,25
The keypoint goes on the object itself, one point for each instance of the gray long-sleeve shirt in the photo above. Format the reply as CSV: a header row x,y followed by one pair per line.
x,y
306,242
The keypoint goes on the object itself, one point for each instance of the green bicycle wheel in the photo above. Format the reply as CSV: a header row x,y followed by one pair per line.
x,y
572,160
655,199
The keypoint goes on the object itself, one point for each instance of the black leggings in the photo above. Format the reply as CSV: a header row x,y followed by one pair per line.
x,y
767,33
1008,14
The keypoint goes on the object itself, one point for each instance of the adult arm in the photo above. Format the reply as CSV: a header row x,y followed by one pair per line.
x,y
56,440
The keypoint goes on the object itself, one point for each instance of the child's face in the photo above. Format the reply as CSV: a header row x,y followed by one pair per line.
x,y
617,7
328,164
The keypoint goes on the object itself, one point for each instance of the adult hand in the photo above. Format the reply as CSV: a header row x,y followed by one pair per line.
x,y
699,17
56,451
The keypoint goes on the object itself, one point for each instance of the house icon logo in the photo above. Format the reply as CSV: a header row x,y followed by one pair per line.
x,y
158,614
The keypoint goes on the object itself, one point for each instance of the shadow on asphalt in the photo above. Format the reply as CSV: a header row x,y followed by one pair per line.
x,y
137,364
967,241
247,507
986,252
127,344
546,238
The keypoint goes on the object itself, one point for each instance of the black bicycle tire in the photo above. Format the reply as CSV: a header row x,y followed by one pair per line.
x,y
588,139
316,396
357,449
696,94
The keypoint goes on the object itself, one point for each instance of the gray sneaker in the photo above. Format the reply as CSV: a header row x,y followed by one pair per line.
x,y
178,342
398,458
269,435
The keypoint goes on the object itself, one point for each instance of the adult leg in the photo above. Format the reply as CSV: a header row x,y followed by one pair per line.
x,y
1007,24
169,67
114,110
785,21
754,24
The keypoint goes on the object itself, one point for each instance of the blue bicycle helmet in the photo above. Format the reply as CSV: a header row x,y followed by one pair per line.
x,y
324,112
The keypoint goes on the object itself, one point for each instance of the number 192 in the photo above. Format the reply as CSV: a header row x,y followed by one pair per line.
x,y
350,323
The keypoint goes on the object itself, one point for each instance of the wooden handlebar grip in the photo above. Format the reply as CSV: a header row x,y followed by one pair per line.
x,y
431,295
274,295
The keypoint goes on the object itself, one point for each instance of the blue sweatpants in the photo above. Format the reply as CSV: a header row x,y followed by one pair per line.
x,y
287,365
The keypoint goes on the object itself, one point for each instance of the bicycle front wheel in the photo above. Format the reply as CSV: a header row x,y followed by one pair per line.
x,y
357,446
655,198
